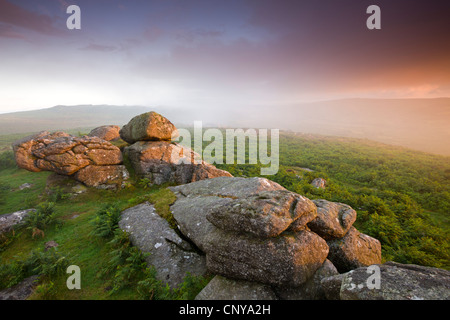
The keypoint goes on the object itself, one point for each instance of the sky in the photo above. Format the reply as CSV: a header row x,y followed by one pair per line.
x,y
225,54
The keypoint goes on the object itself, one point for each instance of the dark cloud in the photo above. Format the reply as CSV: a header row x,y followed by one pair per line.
x,y
98,47
18,17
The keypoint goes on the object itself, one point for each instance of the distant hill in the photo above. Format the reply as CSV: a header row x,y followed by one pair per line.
x,y
67,117
421,124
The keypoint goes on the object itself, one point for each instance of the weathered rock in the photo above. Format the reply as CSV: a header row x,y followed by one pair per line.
x,y
195,200
148,126
354,250
227,187
67,155
220,288
23,148
8,221
103,177
397,282
319,183
265,214
331,286
172,256
20,291
162,161
312,288
289,259
107,133
190,215
333,219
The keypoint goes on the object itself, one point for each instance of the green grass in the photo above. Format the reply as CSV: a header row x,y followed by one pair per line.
x,y
74,234
402,198
15,199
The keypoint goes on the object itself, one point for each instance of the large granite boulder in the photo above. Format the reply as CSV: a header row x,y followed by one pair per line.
x,y
23,148
333,219
265,214
312,289
354,250
220,288
172,256
148,126
163,161
108,133
285,258
396,281
90,160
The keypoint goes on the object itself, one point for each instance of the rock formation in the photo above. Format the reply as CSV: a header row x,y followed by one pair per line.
x,y
148,126
90,160
154,157
172,256
107,133
253,229
261,239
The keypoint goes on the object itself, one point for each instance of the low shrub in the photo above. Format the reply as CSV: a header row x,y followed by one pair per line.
x,y
106,221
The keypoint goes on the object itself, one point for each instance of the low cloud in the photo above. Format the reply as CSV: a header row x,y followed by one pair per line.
x,y
98,47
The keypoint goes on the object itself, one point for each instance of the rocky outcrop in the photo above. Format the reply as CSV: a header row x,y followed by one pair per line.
x,y
90,160
252,229
396,282
243,228
172,256
148,126
272,255
154,157
107,133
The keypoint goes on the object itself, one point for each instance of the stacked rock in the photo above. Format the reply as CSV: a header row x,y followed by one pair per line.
x,y
154,156
252,229
90,160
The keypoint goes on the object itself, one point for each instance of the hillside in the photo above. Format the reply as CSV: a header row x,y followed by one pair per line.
x,y
66,117
420,124
401,198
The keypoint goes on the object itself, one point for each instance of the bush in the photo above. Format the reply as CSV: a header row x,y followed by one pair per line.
x,y
48,264
7,160
4,188
106,221
126,263
44,216
57,194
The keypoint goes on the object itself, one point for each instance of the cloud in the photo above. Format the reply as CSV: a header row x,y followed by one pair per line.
x,y
98,47
7,31
18,17
198,34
